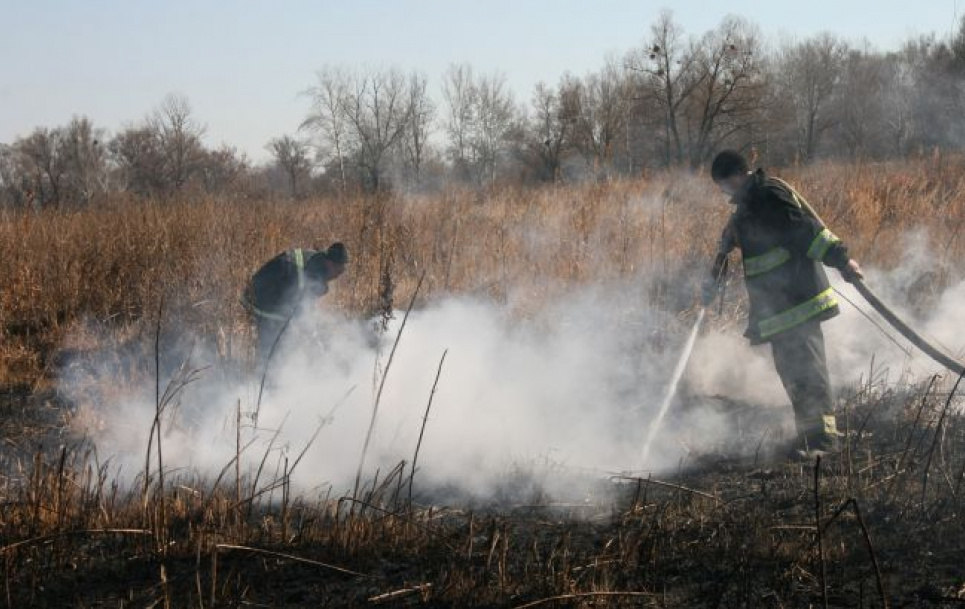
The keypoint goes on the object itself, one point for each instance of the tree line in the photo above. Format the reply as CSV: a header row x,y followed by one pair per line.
x,y
672,102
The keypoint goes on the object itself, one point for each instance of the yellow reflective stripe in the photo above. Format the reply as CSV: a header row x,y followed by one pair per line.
x,y
797,315
268,315
826,423
821,244
766,262
247,304
300,265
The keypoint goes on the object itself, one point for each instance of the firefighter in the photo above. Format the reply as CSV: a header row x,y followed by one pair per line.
x,y
283,283
784,249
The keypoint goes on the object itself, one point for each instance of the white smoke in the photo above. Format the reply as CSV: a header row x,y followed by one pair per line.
x,y
921,293
575,386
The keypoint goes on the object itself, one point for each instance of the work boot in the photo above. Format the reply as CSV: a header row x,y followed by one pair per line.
x,y
812,454
820,441
805,447
812,446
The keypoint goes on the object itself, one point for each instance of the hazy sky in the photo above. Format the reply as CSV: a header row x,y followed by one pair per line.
x,y
243,63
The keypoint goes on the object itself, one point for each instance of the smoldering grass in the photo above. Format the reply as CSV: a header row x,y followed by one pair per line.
x,y
381,386
65,514
422,428
741,542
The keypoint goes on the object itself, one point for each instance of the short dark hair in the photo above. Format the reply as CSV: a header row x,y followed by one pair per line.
x,y
337,252
728,163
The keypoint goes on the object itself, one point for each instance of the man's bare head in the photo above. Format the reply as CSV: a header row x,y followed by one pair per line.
x,y
729,171
330,263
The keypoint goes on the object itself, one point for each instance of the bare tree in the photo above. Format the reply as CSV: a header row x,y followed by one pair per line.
x,y
377,109
859,105
140,161
556,113
224,170
179,138
15,185
897,102
575,103
416,135
809,72
727,100
43,163
480,117
328,118
939,90
704,92
61,165
493,119
459,93
670,76
85,158
956,48
604,111
291,156
9,193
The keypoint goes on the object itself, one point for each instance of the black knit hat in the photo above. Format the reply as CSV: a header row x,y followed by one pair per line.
x,y
336,252
728,163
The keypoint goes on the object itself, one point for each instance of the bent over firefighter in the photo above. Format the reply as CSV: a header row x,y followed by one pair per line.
x,y
283,283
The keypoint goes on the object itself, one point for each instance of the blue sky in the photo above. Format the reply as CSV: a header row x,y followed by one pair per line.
x,y
242,63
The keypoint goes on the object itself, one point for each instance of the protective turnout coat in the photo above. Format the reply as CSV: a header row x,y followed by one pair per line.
x,y
277,287
784,249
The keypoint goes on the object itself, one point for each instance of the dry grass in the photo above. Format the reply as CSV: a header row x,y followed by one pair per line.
x,y
69,535
722,534
113,263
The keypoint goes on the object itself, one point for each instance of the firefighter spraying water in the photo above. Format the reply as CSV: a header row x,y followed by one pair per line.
x,y
784,246
784,250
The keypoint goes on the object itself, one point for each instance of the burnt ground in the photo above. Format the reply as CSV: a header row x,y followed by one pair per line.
x,y
877,524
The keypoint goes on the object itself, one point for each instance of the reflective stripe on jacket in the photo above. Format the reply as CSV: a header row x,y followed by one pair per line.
x,y
276,288
797,315
783,249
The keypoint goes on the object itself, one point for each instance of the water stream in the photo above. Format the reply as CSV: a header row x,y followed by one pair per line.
x,y
672,386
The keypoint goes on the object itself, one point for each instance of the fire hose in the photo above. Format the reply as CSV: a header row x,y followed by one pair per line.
x,y
930,350
916,339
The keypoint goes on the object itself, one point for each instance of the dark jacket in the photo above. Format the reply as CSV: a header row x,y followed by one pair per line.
x,y
279,285
783,248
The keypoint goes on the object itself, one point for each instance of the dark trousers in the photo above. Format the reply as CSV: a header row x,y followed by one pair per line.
x,y
269,331
800,361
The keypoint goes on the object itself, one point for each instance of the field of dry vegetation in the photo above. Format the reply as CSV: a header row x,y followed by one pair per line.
x,y
880,524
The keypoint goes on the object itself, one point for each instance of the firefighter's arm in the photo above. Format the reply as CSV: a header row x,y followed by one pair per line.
x,y
820,244
317,289
728,238
806,234
726,244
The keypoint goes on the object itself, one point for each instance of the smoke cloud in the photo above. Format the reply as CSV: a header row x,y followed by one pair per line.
x,y
573,387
